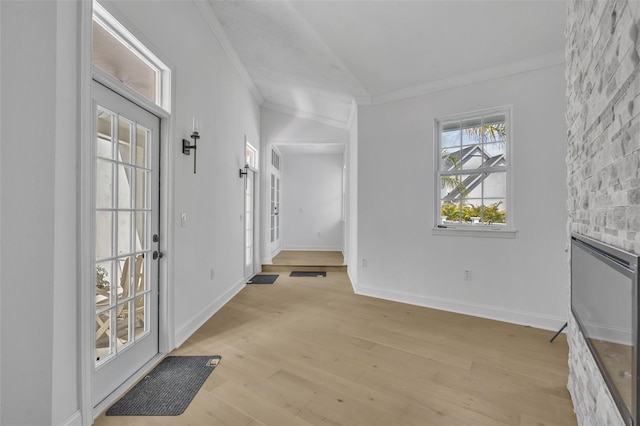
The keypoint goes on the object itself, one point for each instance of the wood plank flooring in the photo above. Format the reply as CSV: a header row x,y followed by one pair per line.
x,y
308,351
309,258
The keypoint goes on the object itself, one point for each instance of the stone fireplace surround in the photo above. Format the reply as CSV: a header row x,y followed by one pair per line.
x,y
603,160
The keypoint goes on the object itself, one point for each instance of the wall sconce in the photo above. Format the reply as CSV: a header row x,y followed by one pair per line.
x,y
187,147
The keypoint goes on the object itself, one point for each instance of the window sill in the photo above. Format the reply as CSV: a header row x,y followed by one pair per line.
x,y
471,232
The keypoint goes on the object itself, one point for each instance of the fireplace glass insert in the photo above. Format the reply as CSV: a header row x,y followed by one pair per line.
x,y
604,302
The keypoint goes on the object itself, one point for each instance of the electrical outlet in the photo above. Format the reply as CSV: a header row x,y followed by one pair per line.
x,y
365,263
467,274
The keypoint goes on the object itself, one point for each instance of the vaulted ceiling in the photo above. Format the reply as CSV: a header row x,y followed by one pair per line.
x,y
316,57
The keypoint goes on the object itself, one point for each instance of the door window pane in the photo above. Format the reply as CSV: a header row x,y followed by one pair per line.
x,y
140,324
142,147
104,277
104,146
125,174
141,231
124,233
103,346
122,322
104,235
142,193
104,184
124,140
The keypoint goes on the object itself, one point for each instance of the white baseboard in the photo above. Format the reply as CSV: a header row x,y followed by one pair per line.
x,y
351,278
545,322
74,420
185,332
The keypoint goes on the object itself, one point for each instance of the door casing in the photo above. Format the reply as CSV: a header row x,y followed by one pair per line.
x,y
166,331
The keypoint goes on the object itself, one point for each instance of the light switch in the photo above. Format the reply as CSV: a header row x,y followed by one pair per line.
x,y
183,220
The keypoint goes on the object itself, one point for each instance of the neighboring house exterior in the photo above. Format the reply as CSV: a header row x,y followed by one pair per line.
x,y
476,184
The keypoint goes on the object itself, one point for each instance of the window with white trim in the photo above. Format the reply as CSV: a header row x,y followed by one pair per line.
x,y
119,54
473,171
251,156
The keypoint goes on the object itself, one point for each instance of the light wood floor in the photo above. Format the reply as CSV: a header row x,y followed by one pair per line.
x,y
309,258
307,351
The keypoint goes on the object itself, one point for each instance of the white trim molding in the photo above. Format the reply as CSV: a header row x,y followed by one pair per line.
x,y
499,71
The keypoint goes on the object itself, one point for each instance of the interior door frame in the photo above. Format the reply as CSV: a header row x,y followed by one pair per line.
x,y
166,342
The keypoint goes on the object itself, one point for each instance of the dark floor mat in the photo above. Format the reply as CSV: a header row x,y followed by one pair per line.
x,y
263,279
308,274
168,389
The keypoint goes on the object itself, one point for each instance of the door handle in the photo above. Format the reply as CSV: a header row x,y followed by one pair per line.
x,y
157,255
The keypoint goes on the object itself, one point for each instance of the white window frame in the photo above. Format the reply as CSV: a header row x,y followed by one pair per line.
x,y
124,36
506,230
253,165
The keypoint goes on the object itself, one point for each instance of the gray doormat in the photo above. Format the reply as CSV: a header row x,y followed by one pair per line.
x,y
308,274
168,389
263,279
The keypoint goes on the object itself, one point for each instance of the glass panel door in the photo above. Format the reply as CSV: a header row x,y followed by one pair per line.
x,y
249,217
126,217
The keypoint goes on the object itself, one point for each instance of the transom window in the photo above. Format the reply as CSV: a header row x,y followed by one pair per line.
x,y
251,156
116,52
473,171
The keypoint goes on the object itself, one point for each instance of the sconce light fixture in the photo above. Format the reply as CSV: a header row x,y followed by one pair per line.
x,y
187,147
241,173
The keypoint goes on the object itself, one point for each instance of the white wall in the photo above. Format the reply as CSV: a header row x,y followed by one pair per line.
x,y
208,88
519,280
39,369
311,206
39,178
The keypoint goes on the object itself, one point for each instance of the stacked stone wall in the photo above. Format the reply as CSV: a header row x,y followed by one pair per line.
x,y
603,160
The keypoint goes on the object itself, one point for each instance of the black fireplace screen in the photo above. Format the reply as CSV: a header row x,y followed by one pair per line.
x,y
604,302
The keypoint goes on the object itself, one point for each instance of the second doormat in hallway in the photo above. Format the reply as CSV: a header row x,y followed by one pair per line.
x,y
263,279
168,389
308,274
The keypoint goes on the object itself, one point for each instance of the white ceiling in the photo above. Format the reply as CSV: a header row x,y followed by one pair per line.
x,y
315,57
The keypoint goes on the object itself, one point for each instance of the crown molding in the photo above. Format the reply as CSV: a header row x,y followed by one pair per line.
x,y
309,116
216,29
512,68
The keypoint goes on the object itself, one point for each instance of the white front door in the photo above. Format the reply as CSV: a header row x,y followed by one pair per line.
x,y
126,148
249,223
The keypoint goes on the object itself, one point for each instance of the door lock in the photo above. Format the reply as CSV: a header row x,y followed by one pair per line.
x,y
157,255
156,238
